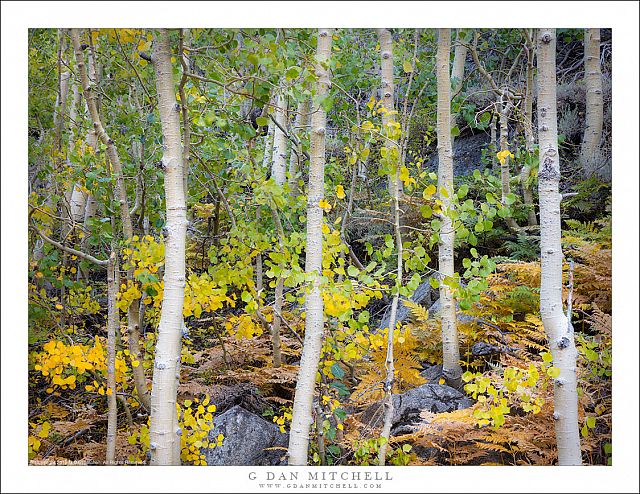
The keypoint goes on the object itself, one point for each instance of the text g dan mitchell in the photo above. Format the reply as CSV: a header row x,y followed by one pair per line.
x,y
320,476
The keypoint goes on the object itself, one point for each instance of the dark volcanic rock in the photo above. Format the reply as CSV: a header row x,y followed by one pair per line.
x,y
467,154
407,406
246,439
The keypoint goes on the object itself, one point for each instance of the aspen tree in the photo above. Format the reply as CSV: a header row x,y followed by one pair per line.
x,y
450,346
559,330
112,324
279,175
505,104
279,158
388,121
527,193
314,324
457,70
295,160
133,313
163,431
594,111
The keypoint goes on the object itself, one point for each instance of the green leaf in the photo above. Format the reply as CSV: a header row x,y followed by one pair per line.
x,y
363,317
466,262
462,191
406,448
553,372
476,174
591,422
426,211
434,283
340,414
510,199
262,121
455,131
407,66
337,371
293,72
353,271
429,191
246,296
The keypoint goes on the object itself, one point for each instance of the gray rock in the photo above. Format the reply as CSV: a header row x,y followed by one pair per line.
x,y
432,374
436,398
424,295
467,151
246,439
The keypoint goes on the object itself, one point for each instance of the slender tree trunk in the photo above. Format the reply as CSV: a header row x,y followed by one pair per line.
x,y
505,110
91,99
594,113
279,158
163,431
527,193
314,324
395,188
559,331
450,347
386,71
112,324
279,175
457,72
295,160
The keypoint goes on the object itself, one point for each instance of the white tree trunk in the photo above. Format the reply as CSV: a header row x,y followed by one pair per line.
x,y
279,159
450,346
527,193
395,188
113,158
505,174
590,155
295,160
386,72
314,324
279,175
559,331
112,324
163,431
457,73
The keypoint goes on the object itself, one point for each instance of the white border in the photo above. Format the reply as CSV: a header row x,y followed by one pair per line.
x,y
17,17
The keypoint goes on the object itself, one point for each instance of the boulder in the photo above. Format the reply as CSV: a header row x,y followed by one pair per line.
x,y
432,373
436,398
248,439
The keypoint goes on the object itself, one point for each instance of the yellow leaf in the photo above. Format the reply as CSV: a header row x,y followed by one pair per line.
x,y
135,363
407,67
340,192
58,306
324,205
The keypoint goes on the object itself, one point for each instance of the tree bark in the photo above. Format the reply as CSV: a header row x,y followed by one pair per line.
x,y
314,324
295,160
163,430
527,193
594,112
450,347
559,331
278,163
91,99
112,325
457,73
279,175
395,188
